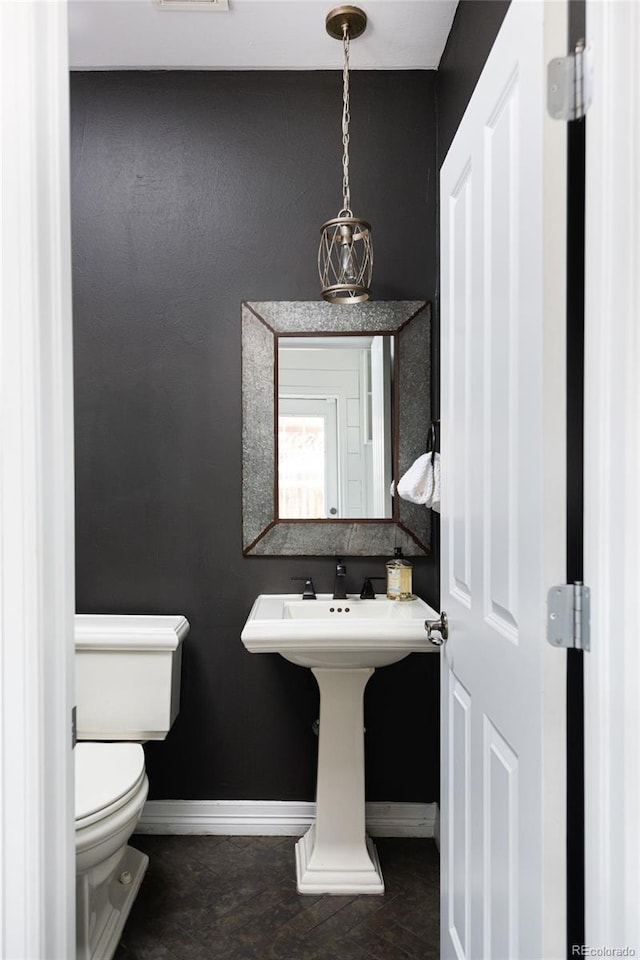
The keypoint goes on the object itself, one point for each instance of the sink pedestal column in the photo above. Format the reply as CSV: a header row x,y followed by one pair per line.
x,y
335,855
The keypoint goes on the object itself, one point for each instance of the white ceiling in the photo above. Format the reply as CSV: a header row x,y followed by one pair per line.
x,y
254,35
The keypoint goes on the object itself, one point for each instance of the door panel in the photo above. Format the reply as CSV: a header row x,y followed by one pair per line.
x,y
500,828
503,505
459,826
459,319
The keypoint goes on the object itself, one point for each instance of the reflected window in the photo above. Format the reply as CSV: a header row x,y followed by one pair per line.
x,y
301,476
307,482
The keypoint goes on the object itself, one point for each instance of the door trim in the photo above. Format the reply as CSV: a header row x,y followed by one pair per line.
x,y
612,479
37,883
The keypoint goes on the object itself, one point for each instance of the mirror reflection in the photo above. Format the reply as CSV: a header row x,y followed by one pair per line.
x,y
335,448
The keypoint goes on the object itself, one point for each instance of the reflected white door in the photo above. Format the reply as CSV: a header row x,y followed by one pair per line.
x,y
503,505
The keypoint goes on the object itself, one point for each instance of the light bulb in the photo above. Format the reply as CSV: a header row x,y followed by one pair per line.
x,y
347,262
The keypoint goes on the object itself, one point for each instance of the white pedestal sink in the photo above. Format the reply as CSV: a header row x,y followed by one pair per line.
x,y
342,641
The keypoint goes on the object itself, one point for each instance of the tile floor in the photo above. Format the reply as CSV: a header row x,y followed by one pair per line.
x,y
234,898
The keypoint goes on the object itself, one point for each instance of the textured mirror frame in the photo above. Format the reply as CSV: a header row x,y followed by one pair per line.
x,y
263,533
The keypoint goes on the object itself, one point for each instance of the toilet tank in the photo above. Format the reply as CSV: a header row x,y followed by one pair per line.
x,y
127,675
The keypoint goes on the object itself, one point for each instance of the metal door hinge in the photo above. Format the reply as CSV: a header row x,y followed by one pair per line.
x,y
74,729
570,84
568,607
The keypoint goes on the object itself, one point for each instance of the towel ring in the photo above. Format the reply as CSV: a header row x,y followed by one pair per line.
x,y
431,438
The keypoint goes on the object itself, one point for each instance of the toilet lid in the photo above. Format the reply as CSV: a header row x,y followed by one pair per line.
x,y
105,774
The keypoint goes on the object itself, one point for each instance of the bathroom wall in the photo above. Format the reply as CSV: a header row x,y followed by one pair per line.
x,y
475,27
192,192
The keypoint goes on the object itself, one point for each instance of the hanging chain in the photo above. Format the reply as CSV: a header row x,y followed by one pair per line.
x,y
346,192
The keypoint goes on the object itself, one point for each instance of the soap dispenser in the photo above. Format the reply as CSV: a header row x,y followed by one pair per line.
x,y
399,576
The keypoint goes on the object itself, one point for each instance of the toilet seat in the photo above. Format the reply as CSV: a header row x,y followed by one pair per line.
x,y
107,776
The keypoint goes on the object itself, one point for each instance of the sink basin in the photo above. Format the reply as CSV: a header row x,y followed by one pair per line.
x,y
342,641
338,633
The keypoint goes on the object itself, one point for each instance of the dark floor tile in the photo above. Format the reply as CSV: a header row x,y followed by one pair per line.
x,y
144,949
288,948
332,950
219,943
353,913
268,910
247,841
312,912
228,857
184,946
403,858
379,934
418,914
235,898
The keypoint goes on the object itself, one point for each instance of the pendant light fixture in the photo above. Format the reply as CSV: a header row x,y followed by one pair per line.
x,y
345,255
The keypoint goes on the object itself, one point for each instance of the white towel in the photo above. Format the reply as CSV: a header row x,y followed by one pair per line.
x,y
421,482
435,500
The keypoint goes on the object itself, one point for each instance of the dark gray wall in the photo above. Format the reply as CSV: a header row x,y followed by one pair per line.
x,y
475,27
192,192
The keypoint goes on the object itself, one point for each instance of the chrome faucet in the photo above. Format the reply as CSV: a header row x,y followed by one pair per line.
x,y
339,592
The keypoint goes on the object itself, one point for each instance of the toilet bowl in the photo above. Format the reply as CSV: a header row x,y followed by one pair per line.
x,y
111,788
127,691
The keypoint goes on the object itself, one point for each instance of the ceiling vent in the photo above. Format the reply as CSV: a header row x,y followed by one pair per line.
x,y
218,6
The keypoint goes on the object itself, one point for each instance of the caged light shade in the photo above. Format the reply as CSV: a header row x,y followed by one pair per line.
x,y
345,259
345,254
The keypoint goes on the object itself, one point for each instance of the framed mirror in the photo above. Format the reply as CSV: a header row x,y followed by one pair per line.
x,y
335,406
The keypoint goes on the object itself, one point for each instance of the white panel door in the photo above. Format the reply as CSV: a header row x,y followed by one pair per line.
x,y
503,505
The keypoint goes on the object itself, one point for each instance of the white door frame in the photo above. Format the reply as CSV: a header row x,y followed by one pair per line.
x,y
37,879
612,479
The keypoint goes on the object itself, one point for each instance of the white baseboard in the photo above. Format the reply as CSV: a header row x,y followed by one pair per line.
x,y
277,818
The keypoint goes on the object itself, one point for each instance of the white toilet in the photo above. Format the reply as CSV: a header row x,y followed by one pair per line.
x,y
127,692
